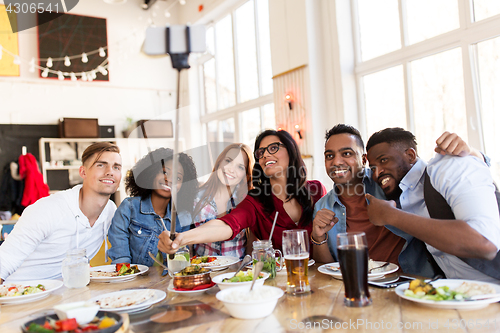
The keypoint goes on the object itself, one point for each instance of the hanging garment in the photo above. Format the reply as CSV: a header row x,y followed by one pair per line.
x,y
11,192
34,187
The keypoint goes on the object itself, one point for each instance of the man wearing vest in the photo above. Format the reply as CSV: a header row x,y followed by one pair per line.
x,y
465,242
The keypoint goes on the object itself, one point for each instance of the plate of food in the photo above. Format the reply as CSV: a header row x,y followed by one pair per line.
x,y
27,291
450,293
333,269
131,300
104,322
116,273
215,263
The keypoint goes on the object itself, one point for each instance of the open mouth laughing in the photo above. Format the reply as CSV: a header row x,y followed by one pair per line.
x,y
269,163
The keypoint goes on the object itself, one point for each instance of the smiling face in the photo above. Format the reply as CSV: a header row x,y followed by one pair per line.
x,y
390,164
275,164
162,184
232,169
344,159
103,175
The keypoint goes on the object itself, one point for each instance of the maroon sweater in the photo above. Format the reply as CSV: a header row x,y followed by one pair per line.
x,y
250,213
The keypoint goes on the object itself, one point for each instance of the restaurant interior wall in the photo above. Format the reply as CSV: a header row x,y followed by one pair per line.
x,y
140,87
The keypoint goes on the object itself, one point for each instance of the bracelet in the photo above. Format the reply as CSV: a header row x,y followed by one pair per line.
x,y
319,243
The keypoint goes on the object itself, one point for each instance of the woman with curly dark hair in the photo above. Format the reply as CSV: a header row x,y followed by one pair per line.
x,y
280,185
137,222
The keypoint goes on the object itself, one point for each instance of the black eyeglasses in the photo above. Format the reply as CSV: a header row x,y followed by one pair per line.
x,y
272,149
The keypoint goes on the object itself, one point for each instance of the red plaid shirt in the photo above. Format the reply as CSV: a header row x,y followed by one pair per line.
x,y
233,248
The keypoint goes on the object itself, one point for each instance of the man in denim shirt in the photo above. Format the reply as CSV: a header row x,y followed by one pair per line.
x,y
344,208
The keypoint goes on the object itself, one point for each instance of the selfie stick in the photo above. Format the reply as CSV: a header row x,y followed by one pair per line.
x,y
179,62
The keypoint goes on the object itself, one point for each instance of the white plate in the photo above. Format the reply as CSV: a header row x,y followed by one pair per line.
x,y
50,286
158,296
377,274
452,283
112,268
230,261
188,292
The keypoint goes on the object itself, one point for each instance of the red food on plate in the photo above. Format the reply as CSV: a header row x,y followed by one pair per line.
x,y
119,266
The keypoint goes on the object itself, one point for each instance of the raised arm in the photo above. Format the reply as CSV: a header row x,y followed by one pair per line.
x,y
455,237
324,220
211,231
452,144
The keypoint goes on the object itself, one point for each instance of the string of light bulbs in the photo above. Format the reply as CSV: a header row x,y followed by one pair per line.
x,y
61,75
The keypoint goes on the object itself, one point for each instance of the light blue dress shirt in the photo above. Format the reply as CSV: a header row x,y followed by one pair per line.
x,y
467,186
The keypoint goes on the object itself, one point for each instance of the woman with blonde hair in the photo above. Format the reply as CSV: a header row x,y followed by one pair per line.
x,y
227,186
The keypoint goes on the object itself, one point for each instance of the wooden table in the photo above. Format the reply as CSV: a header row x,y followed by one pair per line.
x,y
388,313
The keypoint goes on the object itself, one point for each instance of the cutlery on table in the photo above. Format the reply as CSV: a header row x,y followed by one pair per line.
x,y
157,261
258,268
245,262
378,267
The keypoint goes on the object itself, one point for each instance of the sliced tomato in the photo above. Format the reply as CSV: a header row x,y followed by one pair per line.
x,y
119,266
66,325
47,325
210,259
11,288
90,327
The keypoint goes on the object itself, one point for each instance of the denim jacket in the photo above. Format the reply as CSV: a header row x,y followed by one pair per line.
x,y
412,259
135,229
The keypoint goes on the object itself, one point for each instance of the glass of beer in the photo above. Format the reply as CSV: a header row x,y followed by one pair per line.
x,y
296,253
353,260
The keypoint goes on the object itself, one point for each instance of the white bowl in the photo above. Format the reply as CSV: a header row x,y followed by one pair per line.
x,y
83,312
223,285
251,309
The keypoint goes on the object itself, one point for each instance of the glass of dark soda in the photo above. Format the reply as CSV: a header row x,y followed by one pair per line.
x,y
353,260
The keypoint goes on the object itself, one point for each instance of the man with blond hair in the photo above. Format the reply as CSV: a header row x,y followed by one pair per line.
x,y
75,218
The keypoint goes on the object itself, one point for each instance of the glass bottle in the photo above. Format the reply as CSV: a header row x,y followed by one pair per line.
x,y
263,251
180,261
76,269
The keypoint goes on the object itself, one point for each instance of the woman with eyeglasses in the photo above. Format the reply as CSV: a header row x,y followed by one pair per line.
x,y
280,185
142,217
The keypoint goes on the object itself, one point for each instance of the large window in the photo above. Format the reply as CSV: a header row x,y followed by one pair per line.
x,y
430,66
235,75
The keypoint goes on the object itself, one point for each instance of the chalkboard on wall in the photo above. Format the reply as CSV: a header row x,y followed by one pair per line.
x,y
72,35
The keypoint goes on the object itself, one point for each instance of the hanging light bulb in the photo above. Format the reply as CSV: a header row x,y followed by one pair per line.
x,y
89,77
1,47
167,14
73,76
49,62
182,2
32,65
85,59
102,70
84,76
102,53
67,62
93,74
45,72
17,60
60,76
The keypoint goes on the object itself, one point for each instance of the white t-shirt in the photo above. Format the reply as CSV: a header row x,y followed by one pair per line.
x,y
46,230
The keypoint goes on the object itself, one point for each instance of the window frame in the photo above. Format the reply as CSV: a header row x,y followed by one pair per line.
x,y
465,37
239,107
